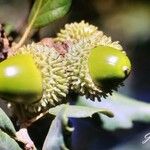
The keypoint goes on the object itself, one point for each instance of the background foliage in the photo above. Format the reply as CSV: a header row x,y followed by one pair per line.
x,y
126,21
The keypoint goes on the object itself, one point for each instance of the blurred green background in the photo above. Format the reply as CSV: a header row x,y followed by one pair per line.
x,y
127,21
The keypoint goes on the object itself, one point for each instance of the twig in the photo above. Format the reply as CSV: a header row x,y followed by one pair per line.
x,y
27,123
28,29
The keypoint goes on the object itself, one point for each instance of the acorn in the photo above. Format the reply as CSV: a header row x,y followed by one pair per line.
x,y
108,67
20,80
90,71
52,67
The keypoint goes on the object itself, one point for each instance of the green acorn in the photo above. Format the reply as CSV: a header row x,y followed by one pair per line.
x,y
20,80
52,67
87,76
108,67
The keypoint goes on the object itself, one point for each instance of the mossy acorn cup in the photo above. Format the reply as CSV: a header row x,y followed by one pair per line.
x,y
108,67
20,80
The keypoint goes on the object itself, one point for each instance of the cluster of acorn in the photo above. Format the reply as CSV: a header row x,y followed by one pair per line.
x,y
39,76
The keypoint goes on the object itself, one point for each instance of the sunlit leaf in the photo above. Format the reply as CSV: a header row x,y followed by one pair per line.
x,y
6,124
46,11
125,110
7,143
54,139
80,111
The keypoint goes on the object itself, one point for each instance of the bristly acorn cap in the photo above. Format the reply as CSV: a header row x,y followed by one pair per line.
x,y
84,38
52,66
75,32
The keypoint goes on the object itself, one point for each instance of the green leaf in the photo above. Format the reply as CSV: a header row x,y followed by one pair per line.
x,y
6,124
46,11
7,143
54,139
125,110
79,111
